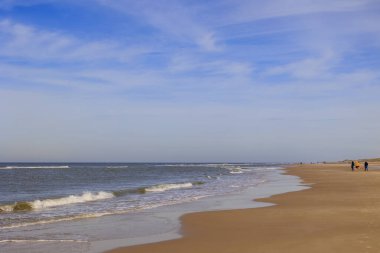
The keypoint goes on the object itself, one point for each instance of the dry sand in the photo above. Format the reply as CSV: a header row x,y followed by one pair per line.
x,y
340,213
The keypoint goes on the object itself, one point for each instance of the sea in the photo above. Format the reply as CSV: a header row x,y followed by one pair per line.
x,y
93,207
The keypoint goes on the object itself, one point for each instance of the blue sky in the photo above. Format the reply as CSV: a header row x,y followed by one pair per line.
x,y
197,81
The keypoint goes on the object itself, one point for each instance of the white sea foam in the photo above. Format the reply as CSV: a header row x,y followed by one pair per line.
x,y
100,214
273,168
36,167
40,240
117,167
72,199
97,215
6,208
77,217
165,187
234,170
213,165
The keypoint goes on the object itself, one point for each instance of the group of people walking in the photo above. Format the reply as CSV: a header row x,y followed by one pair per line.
x,y
356,165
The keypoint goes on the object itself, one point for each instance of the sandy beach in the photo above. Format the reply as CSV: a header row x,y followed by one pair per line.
x,y
339,213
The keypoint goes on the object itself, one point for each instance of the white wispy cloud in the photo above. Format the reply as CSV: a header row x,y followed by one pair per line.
x,y
173,18
47,60
248,10
190,63
309,68
21,41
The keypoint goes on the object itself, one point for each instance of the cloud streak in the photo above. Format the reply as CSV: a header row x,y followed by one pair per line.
x,y
246,11
19,41
170,17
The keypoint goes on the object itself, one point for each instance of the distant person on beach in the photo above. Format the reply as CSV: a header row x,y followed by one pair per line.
x,y
352,165
357,165
366,166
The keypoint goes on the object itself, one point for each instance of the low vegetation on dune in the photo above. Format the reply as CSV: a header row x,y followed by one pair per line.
x,y
373,160
370,160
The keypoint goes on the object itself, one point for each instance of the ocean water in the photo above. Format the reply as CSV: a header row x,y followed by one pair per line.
x,y
73,206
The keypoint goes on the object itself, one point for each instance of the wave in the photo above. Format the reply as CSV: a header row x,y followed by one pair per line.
x,y
90,196
166,187
41,240
46,203
82,216
117,167
239,170
156,188
213,165
72,199
119,193
234,170
49,221
97,215
273,168
35,167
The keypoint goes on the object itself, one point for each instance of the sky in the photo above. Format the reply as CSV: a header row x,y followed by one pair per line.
x,y
189,80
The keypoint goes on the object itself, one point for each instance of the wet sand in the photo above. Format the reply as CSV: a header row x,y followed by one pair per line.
x,y
339,213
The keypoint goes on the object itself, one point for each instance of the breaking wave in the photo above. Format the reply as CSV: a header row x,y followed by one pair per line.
x,y
41,240
234,170
35,167
72,199
90,196
46,203
119,193
96,215
165,187
212,165
156,188
117,167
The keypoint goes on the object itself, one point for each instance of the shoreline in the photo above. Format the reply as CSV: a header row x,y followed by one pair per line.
x,y
340,212
246,199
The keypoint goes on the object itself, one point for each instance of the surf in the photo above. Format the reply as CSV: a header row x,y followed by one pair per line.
x,y
35,167
48,203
